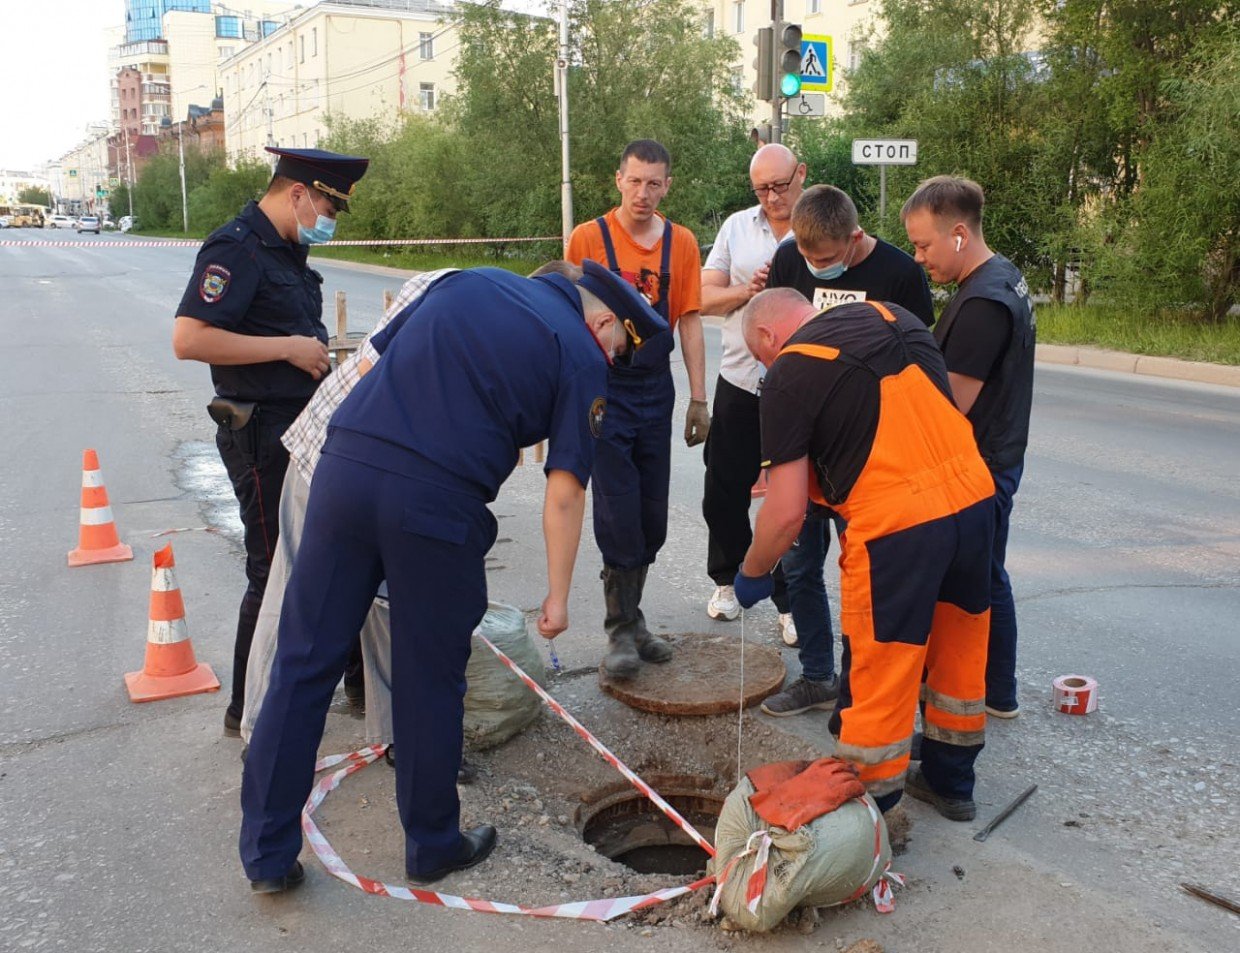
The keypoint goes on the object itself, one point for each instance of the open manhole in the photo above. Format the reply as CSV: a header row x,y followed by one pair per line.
x,y
625,826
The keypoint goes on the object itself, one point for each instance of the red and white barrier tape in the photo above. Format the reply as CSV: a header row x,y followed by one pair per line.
x,y
601,910
194,243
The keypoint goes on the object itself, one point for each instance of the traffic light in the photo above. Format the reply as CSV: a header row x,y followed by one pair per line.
x,y
764,86
788,59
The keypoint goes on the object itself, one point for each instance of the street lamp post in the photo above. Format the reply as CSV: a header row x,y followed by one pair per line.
x,y
184,201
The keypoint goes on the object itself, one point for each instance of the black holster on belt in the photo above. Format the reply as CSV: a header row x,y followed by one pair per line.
x,y
230,413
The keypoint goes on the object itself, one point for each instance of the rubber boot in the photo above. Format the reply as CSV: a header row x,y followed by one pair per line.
x,y
650,647
622,660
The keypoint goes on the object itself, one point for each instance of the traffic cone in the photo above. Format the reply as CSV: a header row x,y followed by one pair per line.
x,y
97,539
759,487
170,669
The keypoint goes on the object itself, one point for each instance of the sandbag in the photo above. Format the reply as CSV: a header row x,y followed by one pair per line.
x,y
497,703
831,860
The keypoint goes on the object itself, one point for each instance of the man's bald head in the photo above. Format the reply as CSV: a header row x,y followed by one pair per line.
x,y
777,178
770,318
777,155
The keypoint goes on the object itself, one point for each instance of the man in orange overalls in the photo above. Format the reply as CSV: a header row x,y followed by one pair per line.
x,y
857,415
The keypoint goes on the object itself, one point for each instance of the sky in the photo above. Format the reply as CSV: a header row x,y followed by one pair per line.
x,y
54,74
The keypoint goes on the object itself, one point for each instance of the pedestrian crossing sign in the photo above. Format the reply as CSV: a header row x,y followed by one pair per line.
x,y
817,64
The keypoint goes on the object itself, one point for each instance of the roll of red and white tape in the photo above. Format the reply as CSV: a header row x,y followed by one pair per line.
x,y
1075,694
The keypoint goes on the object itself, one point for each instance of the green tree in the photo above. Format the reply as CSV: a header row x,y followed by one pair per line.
x,y
225,192
489,163
958,76
1175,239
34,196
157,193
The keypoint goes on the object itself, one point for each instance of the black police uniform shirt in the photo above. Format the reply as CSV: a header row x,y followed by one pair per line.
x,y
484,363
885,274
249,280
828,410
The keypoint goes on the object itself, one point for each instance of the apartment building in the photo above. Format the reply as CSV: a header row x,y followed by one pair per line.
x,y
175,46
357,59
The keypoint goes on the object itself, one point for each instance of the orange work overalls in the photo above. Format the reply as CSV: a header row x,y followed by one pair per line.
x,y
914,587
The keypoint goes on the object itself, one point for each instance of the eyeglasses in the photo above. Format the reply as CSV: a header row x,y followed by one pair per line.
x,y
779,188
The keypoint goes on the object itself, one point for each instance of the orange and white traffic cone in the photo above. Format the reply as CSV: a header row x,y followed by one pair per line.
x,y
170,669
759,487
97,538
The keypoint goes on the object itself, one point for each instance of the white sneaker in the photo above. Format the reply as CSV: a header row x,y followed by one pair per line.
x,y
787,629
723,604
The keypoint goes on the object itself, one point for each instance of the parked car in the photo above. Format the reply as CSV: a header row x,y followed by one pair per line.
x,y
127,222
61,221
4,221
108,224
88,223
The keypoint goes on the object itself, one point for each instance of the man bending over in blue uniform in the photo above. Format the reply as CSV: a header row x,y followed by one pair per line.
x,y
483,364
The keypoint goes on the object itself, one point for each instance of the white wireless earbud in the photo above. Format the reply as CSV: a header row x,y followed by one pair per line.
x,y
957,243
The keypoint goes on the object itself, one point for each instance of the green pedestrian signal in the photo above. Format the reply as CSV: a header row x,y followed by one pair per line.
x,y
788,56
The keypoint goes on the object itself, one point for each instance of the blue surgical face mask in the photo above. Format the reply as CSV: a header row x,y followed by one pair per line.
x,y
323,230
831,272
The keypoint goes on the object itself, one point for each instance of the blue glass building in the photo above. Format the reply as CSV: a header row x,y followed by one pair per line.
x,y
143,18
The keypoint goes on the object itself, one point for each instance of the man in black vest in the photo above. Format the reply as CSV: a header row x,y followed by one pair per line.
x,y
987,335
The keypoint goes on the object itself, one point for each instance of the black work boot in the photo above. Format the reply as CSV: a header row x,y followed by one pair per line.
x,y
622,660
650,647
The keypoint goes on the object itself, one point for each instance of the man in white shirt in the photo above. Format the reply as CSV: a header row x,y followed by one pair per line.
x,y
735,271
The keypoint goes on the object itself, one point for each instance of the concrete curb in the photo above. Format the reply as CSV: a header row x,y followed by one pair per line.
x,y
1228,375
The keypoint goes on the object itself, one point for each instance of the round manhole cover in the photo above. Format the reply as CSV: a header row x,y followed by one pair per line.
x,y
703,677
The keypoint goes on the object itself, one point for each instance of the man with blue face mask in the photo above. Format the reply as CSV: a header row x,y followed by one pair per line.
x,y
832,262
253,311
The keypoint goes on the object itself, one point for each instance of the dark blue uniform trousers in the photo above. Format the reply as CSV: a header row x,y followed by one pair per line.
x,y
427,535
633,467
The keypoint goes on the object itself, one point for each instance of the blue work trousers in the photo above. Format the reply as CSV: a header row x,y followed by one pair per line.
x,y
1001,652
803,567
632,467
428,538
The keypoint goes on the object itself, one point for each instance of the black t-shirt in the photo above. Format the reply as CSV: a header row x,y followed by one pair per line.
x,y
827,410
979,338
249,280
886,274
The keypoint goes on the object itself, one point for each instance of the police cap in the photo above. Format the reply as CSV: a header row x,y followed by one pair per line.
x,y
628,304
331,173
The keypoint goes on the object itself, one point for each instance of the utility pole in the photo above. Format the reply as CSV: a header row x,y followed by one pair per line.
x,y
566,184
777,103
184,201
129,173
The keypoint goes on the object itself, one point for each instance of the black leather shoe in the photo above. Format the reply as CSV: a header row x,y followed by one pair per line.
x,y
296,874
476,846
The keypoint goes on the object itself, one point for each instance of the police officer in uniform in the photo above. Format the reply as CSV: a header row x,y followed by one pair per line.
x,y
253,311
987,334
484,363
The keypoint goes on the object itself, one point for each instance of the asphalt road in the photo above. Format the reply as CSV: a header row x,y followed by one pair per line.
x,y
119,821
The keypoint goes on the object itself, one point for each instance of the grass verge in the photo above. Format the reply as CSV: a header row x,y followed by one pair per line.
x,y
1140,332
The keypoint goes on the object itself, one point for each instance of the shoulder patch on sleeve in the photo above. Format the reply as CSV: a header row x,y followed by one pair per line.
x,y
214,283
598,410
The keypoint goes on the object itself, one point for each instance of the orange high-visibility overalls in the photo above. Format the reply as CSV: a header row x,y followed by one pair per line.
x,y
914,587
